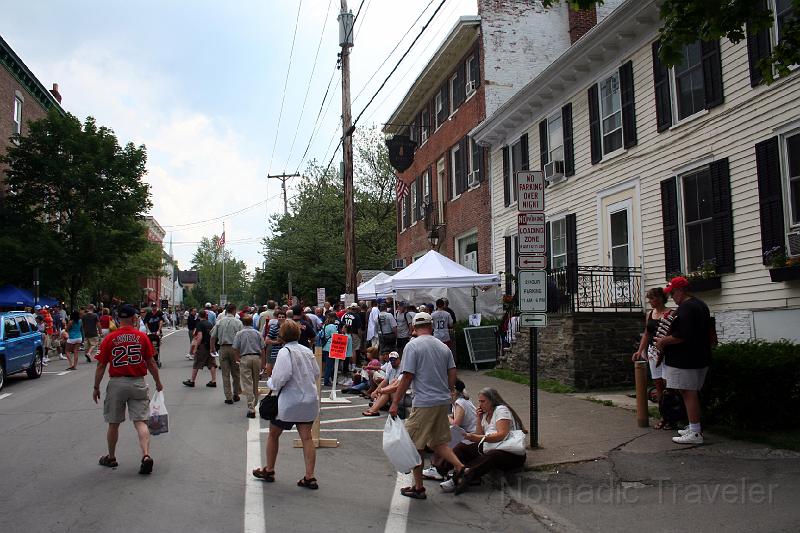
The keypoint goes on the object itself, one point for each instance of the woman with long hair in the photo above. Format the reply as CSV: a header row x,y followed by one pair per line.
x,y
74,339
496,421
647,346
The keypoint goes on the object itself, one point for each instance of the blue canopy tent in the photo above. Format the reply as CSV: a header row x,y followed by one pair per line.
x,y
11,296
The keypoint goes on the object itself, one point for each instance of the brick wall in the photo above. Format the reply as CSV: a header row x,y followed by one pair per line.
x,y
580,22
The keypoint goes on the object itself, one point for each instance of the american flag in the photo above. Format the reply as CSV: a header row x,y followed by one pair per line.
x,y
221,243
402,189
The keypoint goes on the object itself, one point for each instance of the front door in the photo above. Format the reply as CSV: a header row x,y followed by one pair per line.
x,y
619,245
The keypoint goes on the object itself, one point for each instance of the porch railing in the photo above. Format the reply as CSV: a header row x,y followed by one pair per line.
x,y
576,289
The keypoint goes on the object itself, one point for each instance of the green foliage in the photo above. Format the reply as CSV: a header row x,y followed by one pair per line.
x,y
74,205
207,261
121,278
686,21
309,240
753,385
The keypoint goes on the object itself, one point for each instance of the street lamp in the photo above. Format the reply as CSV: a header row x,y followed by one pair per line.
x,y
474,300
433,238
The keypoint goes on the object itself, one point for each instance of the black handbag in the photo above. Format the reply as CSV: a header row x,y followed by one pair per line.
x,y
268,407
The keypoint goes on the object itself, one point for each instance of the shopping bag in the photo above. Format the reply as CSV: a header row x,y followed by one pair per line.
x,y
398,446
158,422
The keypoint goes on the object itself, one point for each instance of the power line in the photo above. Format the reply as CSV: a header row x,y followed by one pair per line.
x,y
214,219
308,87
285,84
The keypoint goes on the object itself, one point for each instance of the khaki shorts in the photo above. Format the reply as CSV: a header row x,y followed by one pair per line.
x,y
429,426
129,391
356,340
203,359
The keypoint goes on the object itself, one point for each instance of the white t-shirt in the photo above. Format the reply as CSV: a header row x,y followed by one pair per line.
x,y
501,412
442,322
470,421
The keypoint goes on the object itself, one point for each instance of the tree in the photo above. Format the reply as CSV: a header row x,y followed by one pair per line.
x,y
686,21
207,260
74,204
309,240
121,278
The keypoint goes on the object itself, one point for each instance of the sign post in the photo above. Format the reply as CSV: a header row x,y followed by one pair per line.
x,y
532,276
338,352
320,296
318,442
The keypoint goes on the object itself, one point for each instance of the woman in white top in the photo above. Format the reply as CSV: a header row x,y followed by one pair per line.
x,y
496,420
294,378
464,416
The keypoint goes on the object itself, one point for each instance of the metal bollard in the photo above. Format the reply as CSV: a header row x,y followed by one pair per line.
x,y
642,414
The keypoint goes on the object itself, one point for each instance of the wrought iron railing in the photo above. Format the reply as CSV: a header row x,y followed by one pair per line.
x,y
580,289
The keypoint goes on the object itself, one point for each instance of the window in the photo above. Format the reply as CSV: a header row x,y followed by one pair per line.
x,y
453,93
555,138
468,251
558,243
425,120
782,12
414,202
793,175
698,219
474,162
23,325
439,105
17,115
11,329
426,188
471,69
403,213
688,82
455,170
611,113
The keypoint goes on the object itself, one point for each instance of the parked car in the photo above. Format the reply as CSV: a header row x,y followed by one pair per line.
x,y
20,345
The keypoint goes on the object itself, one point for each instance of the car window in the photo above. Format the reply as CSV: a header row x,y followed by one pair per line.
x,y
11,329
32,322
23,325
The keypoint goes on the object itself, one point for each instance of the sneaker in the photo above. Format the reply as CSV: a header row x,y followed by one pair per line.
x,y
189,383
251,414
236,398
189,356
432,473
45,361
448,486
88,359
211,384
684,431
688,438
62,357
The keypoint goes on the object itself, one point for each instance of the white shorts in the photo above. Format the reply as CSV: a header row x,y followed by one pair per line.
x,y
685,378
74,341
656,372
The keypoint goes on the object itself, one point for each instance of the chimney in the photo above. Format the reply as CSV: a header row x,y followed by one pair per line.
x,y
580,22
57,94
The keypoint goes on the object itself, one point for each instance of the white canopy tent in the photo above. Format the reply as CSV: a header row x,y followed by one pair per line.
x,y
367,290
434,276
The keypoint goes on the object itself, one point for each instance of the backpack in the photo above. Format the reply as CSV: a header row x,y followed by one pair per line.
x,y
322,337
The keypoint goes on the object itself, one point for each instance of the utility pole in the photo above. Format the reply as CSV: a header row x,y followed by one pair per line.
x,y
283,178
346,42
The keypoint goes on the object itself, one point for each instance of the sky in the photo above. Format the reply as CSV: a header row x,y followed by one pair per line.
x,y
201,85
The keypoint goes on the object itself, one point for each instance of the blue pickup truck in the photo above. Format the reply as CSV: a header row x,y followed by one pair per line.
x,y
20,345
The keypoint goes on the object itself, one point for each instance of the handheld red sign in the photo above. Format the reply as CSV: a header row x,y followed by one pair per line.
x,y
338,346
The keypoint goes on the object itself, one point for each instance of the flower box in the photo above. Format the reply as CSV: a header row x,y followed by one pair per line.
x,y
787,273
705,284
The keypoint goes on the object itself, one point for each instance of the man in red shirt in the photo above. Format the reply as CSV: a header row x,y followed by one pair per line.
x,y
129,353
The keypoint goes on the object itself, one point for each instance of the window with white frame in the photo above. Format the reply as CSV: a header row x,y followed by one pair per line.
x,y
470,68
555,138
403,214
688,83
426,188
782,11
473,163
558,243
610,113
792,162
17,115
467,247
438,105
455,169
698,218
453,92
426,125
414,201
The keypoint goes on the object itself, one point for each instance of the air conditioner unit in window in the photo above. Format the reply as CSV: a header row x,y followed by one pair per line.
x,y
470,87
398,264
473,179
793,238
554,172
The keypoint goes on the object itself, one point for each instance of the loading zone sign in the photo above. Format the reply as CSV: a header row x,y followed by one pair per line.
x,y
530,191
531,234
532,291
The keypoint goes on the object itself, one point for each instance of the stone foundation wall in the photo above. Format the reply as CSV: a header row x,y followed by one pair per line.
x,y
586,350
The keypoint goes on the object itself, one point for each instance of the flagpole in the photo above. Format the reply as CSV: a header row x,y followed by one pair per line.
x,y
223,261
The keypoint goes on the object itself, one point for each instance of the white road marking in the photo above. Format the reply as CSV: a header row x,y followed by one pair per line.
x,y
397,520
336,430
356,419
5,395
171,333
254,519
344,406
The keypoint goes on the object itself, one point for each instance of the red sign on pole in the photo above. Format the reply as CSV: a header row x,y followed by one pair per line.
x,y
338,346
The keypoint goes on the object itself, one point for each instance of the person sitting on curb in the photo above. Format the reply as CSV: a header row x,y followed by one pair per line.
x,y
386,388
464,416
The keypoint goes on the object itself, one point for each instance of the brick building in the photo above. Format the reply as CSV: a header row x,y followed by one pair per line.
x,y
23,98
483,62
152,287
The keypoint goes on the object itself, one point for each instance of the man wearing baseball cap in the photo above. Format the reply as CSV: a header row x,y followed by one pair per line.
x,y
428,367
129,353
687,354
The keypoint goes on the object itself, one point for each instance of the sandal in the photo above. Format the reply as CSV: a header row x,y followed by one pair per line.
x,y
413,492
309,483
147,465
663,424
266,475
368,413
461,480
109,461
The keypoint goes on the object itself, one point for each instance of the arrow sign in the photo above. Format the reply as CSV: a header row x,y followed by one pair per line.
x,y
532,262
533,320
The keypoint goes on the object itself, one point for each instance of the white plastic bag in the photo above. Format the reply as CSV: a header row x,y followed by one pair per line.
x,y
398,446
158,422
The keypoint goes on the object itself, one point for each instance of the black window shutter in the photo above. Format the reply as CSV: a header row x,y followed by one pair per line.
x,y
712,74
723,216
525,164
508,251
547,252
759,47
663,98
571,227
569,147
628,105
475,71
669,218
594,125
543,154
455,163
419,197
463,146
460,90
770,195
430,184
407,217
506,174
